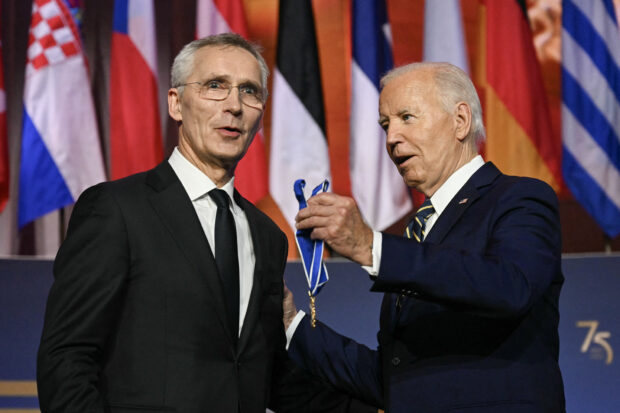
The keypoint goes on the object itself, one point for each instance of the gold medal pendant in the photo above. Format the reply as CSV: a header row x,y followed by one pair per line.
x,y
312,310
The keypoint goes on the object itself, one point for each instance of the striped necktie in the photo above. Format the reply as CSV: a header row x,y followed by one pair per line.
x,y
416,230
417,226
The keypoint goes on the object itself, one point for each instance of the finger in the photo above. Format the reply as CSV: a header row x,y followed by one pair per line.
x,y
315,210
324,198
313,222
320,234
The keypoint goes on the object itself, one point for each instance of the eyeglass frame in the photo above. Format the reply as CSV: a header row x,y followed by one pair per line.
x,y
262,96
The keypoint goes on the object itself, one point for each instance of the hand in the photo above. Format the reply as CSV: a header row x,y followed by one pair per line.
x,y
337,220
288,307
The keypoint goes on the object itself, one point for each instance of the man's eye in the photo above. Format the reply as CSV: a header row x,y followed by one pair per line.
x,y
214,84
384,126
248,90
406,117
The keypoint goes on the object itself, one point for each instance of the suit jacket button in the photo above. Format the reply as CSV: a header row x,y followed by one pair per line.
x,y
395,361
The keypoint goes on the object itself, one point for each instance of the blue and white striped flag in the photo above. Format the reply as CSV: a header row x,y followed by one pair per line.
x,y
376,184
591,108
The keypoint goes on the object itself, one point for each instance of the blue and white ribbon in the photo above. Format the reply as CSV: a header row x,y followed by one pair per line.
x,y
311,251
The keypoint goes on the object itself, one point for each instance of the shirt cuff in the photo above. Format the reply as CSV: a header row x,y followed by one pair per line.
x,y
290,331
373,270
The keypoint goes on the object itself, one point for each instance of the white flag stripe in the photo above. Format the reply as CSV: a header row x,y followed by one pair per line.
x,y
443,33
595,85
590,156
209,20
603,25
298,148
376,184
141,30
47,98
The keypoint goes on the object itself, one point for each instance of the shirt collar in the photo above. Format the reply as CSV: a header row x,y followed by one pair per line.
x,y
442,197
195,182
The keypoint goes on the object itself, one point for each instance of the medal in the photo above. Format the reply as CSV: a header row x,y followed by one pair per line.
x,y
311,251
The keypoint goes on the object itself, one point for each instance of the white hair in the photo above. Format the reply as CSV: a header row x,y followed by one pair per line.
x,y
183,64
453,85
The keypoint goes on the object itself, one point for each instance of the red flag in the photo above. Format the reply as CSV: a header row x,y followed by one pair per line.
x,y
520,139
220,16
135,130
4,152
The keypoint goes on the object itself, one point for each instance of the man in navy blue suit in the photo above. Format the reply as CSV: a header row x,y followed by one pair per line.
x,y
470,312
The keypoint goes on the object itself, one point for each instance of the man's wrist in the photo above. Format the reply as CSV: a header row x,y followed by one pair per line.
x,y
290,330
373,269
288,318
365,256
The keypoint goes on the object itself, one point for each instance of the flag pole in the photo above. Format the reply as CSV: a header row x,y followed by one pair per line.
x,y
607,243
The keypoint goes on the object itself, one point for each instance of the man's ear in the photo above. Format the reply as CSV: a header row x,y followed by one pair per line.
x,y
463,120
174,104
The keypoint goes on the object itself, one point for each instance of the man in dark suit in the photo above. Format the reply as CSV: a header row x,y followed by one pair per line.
x,y
470,312
168,289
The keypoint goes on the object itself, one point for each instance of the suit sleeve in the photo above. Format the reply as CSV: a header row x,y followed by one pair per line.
x,y
90,271
310,394
519,262
294,390
349,366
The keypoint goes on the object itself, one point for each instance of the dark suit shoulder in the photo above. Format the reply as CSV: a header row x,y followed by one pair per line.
x,y
259,216
520,186
127,185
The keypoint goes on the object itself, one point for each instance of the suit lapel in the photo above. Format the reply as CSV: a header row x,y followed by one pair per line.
x,y
461,202
261,253
177,213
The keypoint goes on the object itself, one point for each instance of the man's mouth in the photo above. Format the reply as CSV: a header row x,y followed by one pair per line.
x,y
399,160
230,130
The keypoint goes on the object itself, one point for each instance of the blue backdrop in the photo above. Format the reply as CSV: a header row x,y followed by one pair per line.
x,y
589,324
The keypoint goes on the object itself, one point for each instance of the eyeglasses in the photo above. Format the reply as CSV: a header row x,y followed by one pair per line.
x,y
249,94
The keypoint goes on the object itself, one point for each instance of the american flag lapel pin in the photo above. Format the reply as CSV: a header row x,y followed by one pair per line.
x,y
462,201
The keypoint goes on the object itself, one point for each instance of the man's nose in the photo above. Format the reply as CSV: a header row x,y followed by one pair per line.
x,y
391,135
233,101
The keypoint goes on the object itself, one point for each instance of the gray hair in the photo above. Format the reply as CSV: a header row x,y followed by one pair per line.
x,y
454,86
184,61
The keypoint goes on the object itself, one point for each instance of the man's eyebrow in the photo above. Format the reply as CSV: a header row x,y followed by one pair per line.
x,y
217,77
226,78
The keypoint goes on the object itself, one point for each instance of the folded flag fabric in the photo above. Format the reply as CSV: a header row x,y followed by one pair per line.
x,y
61,152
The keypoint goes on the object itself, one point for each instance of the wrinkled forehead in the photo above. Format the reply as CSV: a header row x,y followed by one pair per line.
x,y
226,61
408,90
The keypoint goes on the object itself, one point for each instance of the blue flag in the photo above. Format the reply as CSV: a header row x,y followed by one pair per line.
x,y
591,108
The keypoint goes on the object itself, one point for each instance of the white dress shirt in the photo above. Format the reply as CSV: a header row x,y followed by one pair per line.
x,y
197,185
440,200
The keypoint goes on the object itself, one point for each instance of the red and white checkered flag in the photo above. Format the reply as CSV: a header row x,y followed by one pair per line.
x,y
53,36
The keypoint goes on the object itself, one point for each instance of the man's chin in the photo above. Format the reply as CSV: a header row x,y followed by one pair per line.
x,y
230,158
412,180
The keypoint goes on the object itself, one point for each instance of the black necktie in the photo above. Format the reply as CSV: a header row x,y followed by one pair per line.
x,y
226,256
